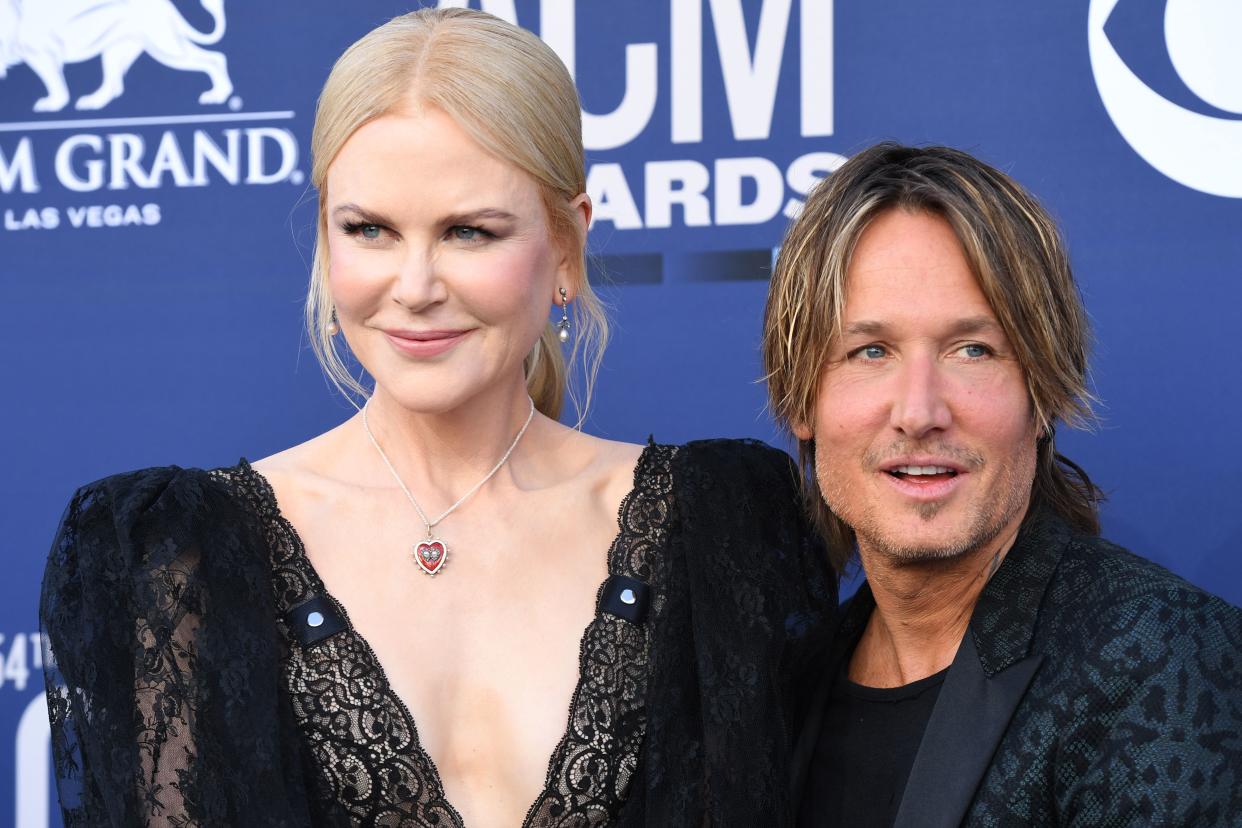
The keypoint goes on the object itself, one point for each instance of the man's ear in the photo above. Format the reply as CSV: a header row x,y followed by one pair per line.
x,y
802,431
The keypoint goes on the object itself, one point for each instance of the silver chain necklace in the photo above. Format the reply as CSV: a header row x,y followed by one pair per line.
x,y
432,554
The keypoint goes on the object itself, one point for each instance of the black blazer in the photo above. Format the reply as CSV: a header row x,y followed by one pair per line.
x,y
1093,688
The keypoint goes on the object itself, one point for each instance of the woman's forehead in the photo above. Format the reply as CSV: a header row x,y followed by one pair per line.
x,y
421,157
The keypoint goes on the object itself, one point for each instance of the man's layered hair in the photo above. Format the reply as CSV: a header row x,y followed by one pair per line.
x,y
1019,260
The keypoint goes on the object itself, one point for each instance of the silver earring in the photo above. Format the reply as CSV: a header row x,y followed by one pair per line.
x,y
333,326
562,327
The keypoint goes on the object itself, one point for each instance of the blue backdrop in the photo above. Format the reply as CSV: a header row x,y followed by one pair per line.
x,y
154,245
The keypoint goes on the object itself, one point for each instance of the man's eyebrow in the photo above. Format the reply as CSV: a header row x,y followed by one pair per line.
x,y
966,325
975,324
866,327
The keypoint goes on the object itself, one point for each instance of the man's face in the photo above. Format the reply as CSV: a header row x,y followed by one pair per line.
x,y
924,431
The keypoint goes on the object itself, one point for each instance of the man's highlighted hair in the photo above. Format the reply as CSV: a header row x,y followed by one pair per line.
x,y
1019,259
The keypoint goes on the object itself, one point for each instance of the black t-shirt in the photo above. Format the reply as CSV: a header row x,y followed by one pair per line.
x,y
866,746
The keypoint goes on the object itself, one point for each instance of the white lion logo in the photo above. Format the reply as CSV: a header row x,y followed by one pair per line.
x,y
47,34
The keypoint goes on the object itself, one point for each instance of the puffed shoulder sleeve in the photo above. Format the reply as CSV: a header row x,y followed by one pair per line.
x,y
750,539
162,659
758,613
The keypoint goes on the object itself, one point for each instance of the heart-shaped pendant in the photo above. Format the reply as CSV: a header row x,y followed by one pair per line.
x,y
430,556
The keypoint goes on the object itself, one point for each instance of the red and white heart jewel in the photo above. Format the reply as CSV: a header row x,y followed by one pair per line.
x,y
431,555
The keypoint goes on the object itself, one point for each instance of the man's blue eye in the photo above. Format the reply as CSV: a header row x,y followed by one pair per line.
x,y
873,352
975,351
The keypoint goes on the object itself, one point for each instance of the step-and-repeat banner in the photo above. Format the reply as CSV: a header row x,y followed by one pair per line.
x,y
156,226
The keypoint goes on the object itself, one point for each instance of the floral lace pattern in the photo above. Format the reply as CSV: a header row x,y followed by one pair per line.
x,y
177,699
364,739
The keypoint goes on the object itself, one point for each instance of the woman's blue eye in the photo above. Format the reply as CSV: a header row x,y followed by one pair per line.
x,y
466,233
370,231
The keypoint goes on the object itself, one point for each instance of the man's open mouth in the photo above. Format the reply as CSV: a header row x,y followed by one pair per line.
x,y
923,474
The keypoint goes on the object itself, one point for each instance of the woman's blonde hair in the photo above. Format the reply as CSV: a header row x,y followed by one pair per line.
x,y
512,94
1019,259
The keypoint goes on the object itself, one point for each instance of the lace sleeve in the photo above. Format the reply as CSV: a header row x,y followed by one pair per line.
x,y
161,666
748,618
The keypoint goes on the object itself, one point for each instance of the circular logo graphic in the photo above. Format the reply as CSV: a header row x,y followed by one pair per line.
x,y
1201,151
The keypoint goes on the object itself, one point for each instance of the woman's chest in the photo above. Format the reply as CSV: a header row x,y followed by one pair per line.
x,y
485,684
486,665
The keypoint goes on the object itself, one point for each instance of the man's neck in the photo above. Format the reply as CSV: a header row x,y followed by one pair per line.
x,y
921,611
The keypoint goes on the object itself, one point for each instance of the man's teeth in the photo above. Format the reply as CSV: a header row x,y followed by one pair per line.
x,y
914,470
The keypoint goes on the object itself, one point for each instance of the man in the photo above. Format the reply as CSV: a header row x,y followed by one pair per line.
x,y
1002,665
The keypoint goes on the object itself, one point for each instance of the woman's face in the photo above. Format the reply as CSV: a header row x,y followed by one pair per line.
x,y
441,266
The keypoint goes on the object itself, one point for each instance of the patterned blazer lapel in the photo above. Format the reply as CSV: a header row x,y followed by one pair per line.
x,y
988,678
970,718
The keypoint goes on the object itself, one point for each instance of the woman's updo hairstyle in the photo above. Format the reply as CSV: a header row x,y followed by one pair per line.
x,y
512,94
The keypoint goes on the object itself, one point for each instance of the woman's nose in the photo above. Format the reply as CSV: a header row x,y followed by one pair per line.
x,y
418,283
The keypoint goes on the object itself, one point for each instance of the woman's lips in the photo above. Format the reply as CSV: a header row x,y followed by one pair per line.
x,y
424,344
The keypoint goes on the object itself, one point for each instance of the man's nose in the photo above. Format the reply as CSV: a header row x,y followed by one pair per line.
x,y
919,404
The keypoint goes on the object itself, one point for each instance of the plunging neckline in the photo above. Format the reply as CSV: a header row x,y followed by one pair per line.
x,y
301,561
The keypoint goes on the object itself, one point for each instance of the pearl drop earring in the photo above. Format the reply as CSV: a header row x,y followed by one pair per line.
x,y
562,327
333,327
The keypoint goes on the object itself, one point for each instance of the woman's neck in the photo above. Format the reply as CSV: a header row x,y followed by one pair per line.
x,y
441,455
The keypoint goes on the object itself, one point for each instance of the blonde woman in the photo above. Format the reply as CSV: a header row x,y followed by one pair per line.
x,y
451,609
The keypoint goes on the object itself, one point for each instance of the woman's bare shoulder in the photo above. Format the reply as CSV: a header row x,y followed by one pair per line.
x,y
305,468
600,462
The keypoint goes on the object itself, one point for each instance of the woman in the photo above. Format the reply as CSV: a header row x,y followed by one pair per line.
x,y
384,625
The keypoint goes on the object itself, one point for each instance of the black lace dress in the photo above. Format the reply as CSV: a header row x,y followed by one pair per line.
x,y
203,676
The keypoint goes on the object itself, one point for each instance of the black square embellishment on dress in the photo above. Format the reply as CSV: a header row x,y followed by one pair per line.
x,y
626,597
314,620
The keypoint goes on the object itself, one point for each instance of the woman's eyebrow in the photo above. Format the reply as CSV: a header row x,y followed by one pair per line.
x,y
368,216
473,216
466,217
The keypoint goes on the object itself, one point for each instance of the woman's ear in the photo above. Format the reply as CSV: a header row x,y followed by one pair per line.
x,y
571,259
584,210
